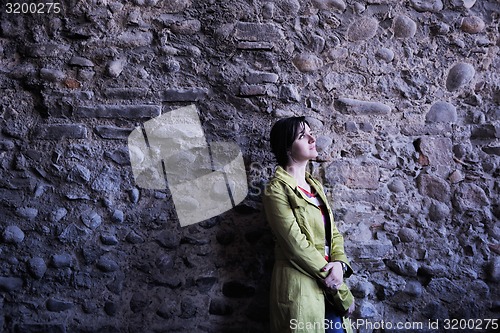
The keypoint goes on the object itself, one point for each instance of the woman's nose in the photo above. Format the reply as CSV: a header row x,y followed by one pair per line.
x,y
312,139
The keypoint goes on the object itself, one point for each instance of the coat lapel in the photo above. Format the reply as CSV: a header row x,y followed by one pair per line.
x,y
292,183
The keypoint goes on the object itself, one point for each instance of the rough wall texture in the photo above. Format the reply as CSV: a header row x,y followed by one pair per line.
x,y
403,95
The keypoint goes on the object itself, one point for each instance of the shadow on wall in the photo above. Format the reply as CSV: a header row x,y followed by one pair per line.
x,y
245,254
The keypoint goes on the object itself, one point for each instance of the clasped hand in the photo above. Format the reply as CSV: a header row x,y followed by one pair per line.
x,y
335,276
335,279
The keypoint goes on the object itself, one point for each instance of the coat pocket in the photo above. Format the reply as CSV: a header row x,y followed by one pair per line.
x,y
341,300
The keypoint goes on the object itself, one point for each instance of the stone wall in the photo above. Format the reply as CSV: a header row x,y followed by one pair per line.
x,y
403,95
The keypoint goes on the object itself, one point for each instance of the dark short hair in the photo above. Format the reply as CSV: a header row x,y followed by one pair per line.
x,y
283,134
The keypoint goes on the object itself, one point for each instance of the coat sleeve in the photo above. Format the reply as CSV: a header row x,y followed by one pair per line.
x,y
294,243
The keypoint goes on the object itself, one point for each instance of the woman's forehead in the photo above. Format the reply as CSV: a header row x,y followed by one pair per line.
x,y
304,127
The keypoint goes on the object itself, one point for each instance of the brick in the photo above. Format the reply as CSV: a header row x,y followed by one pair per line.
x,y
52,75
135,38
55,305
373,249
112,132
118,111
126,93
264,46
256,32
261,77
357,107
10,283
252,90
185,95
485,132
61,131
59,104
492,150
57,107
187,27
81,62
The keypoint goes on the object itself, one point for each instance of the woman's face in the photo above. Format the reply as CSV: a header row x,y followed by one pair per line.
x,y
304,147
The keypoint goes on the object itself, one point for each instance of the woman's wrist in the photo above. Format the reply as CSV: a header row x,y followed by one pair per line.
x,y
344,266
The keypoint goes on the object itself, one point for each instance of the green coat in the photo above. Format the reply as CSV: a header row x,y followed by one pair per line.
x,y
297,300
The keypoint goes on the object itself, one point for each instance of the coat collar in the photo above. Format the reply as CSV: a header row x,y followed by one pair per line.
x,y
285,177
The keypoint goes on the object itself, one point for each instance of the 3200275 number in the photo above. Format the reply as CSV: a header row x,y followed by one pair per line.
x,y
471,324
32,8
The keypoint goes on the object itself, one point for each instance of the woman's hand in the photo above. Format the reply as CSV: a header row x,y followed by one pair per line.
x,y
336,276
351,309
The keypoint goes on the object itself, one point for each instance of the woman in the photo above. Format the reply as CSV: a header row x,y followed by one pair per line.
x,y
308,293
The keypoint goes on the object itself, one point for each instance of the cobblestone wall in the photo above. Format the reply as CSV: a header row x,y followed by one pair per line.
x,y
403,95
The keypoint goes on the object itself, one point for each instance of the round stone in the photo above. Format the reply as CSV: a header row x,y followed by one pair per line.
x,y
107,265
441,112
37,267
493,269
396,186
118,216
134,238
472,25
367,310
404,27
459,75
91,219
385,54
362,29
27,212
61,260
413,288
188,27
456,177
115,68
307,62
438,211
469,3
330,4
134,195
433,6
13,234
172,66
408,235
58,214
323,143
